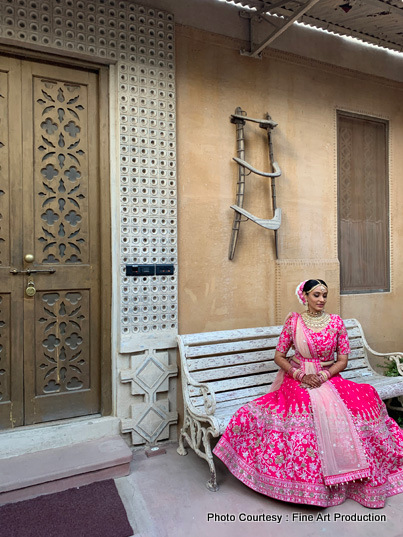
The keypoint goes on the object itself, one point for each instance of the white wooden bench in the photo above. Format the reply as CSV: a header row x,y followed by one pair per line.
x,y
222,371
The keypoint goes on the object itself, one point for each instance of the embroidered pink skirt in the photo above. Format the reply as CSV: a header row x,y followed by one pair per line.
x,y
271,445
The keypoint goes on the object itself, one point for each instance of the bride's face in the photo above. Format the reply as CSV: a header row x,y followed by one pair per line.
x,y
317,299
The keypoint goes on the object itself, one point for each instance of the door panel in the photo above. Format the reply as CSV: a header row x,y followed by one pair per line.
x,y
54,204
61,193
11,317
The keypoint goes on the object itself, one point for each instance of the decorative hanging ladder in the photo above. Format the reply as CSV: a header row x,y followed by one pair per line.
x,y
239,119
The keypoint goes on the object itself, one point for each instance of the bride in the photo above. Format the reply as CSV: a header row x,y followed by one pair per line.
x,y
315,438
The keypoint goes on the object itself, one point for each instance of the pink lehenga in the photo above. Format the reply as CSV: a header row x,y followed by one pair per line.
x,y
316,446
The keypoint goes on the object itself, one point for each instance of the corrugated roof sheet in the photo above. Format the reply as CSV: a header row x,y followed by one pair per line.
x,y
379,22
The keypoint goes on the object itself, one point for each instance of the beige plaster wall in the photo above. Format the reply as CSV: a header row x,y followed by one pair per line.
x,y
302,95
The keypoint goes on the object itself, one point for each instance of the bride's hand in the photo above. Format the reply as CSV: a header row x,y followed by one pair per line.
x,y
313,381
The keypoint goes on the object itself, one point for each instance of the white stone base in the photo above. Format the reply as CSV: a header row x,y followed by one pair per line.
x,y
34,438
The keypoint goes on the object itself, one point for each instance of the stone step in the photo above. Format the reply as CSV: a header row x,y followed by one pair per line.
x,y
53,470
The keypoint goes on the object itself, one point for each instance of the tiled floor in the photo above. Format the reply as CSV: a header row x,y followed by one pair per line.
x,y
166,496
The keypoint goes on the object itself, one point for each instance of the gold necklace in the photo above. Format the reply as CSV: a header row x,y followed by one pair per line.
x,y
315,322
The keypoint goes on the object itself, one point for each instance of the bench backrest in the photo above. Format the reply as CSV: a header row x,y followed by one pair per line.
x,y
358,364
239,364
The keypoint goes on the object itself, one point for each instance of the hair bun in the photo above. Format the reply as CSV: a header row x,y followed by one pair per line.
x,y
300,293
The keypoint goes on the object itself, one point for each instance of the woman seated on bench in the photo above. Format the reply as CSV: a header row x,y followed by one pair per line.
x,y
315,438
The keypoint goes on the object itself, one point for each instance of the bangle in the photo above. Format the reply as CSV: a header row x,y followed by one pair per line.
x,y
295,373
299,375
325,374
291,371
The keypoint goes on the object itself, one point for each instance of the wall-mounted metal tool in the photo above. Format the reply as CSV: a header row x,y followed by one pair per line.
x,y
239,119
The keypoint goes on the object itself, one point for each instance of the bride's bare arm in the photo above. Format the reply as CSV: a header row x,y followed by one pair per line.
x,y
281,360
340,365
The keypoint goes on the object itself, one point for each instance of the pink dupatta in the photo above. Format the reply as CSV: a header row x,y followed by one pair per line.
x,y
341,452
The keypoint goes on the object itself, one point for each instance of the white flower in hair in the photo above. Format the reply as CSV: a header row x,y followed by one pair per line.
x,y
300,293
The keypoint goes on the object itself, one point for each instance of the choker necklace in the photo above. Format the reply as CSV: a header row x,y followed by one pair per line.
x,y
315,313
315,322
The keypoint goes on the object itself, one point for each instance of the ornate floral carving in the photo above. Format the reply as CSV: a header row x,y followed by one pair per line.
x,y
370,200
345,193
62,191
63,363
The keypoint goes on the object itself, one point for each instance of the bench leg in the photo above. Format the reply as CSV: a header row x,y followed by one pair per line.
x,y
198,438
212,482
183,435
181,449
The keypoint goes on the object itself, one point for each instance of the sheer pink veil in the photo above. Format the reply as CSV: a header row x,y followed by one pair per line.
x,y
278,381
341,452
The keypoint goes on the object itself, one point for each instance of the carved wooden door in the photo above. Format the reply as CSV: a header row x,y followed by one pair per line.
x,y
49,243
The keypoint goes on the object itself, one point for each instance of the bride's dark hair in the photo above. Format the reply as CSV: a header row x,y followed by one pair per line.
x,y
310,284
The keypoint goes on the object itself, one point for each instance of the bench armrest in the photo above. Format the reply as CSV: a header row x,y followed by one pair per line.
x,y
395,357
207,391
208,395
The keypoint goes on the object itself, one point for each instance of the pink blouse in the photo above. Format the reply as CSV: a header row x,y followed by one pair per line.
x,y
333,338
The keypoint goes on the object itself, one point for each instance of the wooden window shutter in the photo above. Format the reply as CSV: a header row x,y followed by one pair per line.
x,y
363,204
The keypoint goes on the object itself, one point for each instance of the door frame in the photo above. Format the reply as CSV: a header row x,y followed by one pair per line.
x,y
105,223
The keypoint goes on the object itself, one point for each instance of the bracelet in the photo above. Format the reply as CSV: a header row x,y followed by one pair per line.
x,y
325,374
295,373
299,375
291,371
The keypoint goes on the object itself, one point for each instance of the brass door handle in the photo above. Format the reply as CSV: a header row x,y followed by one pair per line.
x,y
30,289
29,258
